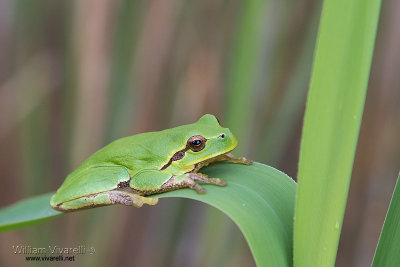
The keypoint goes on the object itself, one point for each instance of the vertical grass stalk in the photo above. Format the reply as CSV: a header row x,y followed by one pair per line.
x,y
331,125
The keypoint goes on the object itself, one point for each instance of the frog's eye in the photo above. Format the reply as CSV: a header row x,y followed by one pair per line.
x,y
196,143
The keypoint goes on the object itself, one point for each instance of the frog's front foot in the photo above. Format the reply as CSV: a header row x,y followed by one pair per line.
x,y
242,160
205,179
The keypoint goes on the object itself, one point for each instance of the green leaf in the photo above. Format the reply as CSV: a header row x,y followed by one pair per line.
x,y
258,198
331,126
388,250
27,212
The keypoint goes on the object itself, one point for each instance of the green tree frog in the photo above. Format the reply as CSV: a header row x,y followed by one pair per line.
x,y
131,168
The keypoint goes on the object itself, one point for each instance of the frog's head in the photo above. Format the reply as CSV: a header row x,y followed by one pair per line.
x,y
206,139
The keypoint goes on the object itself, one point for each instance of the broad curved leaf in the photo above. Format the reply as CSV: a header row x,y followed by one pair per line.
x,y
258,198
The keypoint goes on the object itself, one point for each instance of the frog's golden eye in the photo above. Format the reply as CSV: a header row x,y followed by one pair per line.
x,y
196,143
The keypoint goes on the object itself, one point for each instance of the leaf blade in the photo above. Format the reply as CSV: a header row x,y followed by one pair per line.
x,y
27,212
276,189
388,250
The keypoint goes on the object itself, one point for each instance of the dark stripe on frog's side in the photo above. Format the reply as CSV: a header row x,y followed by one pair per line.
x,y
177,156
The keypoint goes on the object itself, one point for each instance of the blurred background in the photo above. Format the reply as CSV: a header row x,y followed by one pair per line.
x,y
75,75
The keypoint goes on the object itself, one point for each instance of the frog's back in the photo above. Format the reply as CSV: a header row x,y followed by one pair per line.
x,y
134,152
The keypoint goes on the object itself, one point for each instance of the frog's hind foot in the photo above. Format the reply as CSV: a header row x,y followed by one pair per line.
x,y
106,198
130,199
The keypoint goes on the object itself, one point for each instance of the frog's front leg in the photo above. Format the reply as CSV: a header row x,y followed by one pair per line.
x,y
228,156
189,180
151,182
106,198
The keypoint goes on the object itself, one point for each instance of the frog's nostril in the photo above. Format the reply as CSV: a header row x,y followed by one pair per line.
x,y
222,136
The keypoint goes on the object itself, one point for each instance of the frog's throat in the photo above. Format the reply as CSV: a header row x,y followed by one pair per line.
x,y
197,166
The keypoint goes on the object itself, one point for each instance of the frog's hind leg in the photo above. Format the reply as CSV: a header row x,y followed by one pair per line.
x,y
189,180
106,198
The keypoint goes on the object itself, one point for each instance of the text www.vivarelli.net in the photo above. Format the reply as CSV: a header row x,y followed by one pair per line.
x,y
50,258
